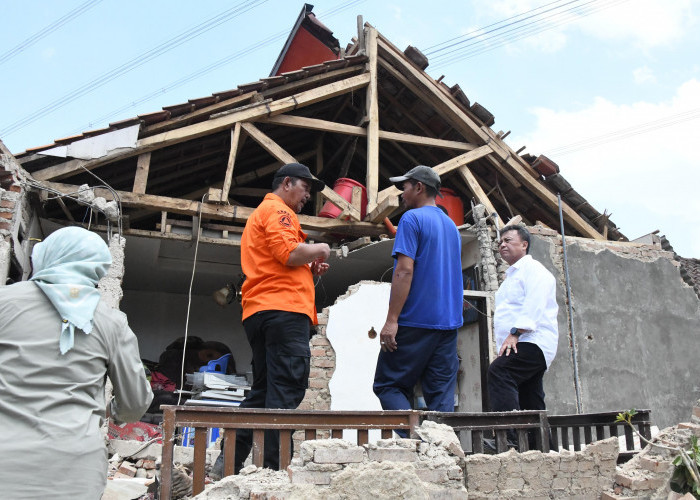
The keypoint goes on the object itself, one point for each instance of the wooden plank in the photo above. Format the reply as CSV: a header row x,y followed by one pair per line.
x,y
342,128
384,209
285,449
223,212
372,112
445,167
515,163
200,459
213,125
206,111
424,85
267,143
278,152
258,447
229,451
477,191
60,171
235,136
143,164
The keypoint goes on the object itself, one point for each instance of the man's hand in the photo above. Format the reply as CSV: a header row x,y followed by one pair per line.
x,y
387,337
319,267
509,344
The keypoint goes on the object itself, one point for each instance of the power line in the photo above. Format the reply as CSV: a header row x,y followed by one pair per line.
x,y
481,46
209,68
482,31
134,63
624,133
80,9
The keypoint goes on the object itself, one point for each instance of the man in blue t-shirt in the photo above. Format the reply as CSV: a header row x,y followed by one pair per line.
x,y
419,338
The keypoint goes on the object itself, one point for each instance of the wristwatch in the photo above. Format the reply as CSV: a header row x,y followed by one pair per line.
x,y
515,331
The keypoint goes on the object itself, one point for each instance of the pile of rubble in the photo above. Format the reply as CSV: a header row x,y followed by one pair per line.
x,y
648,474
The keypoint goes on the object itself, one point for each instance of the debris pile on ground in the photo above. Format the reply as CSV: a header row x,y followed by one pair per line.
x,y
648,474
334,468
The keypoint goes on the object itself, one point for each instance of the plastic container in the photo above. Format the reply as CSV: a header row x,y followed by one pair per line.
x,y
453,204
217,365
343,187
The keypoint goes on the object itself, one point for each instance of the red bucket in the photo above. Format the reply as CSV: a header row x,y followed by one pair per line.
x,y
343,187
453,204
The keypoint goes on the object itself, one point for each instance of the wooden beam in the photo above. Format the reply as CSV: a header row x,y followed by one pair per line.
x,y
543,193
445,167
423,85
372,112
342,128
143,164
384,209
267,143
218,107
222,212
235,136
213,125
476,190
278,152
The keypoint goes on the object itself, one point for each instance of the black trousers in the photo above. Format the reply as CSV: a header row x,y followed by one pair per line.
x,y
515,381
280,344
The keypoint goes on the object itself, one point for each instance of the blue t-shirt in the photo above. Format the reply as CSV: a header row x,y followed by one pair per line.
x,y
431,239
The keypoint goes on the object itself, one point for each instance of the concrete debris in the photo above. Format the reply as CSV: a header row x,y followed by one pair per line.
x,y
647,474
440,435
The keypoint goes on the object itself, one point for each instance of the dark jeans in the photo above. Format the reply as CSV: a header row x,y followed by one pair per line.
x,y
280,344
515,381
423,354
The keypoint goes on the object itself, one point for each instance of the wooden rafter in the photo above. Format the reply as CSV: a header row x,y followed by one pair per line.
x,y
372,113
445,167
143,164
213,125
342,128
235,137
221,212
283,156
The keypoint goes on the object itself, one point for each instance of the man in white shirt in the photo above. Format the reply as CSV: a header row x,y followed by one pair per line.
x,y
525,327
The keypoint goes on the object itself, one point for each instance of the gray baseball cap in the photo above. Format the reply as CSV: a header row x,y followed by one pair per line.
x,y
423,174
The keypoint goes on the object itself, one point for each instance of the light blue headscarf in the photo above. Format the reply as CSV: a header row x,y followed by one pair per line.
x,y
67,266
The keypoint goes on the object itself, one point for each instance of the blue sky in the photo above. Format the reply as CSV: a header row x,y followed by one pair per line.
x,y
609,89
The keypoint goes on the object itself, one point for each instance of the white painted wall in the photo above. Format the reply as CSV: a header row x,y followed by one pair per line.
x,y
159,318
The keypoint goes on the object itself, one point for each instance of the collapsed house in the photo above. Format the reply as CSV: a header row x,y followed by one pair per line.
x,y
172,191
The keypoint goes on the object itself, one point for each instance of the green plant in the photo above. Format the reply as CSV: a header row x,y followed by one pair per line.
x,y
685,476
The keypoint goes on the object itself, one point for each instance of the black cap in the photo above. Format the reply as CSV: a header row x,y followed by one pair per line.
x,y
302,172
423,174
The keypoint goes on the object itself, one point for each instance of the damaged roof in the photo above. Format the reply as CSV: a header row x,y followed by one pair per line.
x,y
366,113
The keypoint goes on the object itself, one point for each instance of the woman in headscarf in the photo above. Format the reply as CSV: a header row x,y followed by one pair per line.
x,y
58,343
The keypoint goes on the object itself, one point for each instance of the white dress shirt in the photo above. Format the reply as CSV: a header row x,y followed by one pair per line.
x,y
527,300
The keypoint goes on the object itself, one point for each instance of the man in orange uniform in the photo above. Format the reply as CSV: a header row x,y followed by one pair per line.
x,y
279,300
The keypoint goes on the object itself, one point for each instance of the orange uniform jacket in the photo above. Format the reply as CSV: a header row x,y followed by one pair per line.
x,y
270,235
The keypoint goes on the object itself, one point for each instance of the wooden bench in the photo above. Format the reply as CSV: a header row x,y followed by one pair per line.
x,y
202,418
566,430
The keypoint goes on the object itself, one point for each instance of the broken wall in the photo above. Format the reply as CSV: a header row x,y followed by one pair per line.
x,y
635,328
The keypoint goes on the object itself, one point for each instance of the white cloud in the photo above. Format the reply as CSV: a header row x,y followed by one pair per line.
x,y
638,161
644,75
647,23
643,23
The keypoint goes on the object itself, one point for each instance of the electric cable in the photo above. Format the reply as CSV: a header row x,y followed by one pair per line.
x,y
624,133
189,301
133,63
498,40
218,64
22,46
481,31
